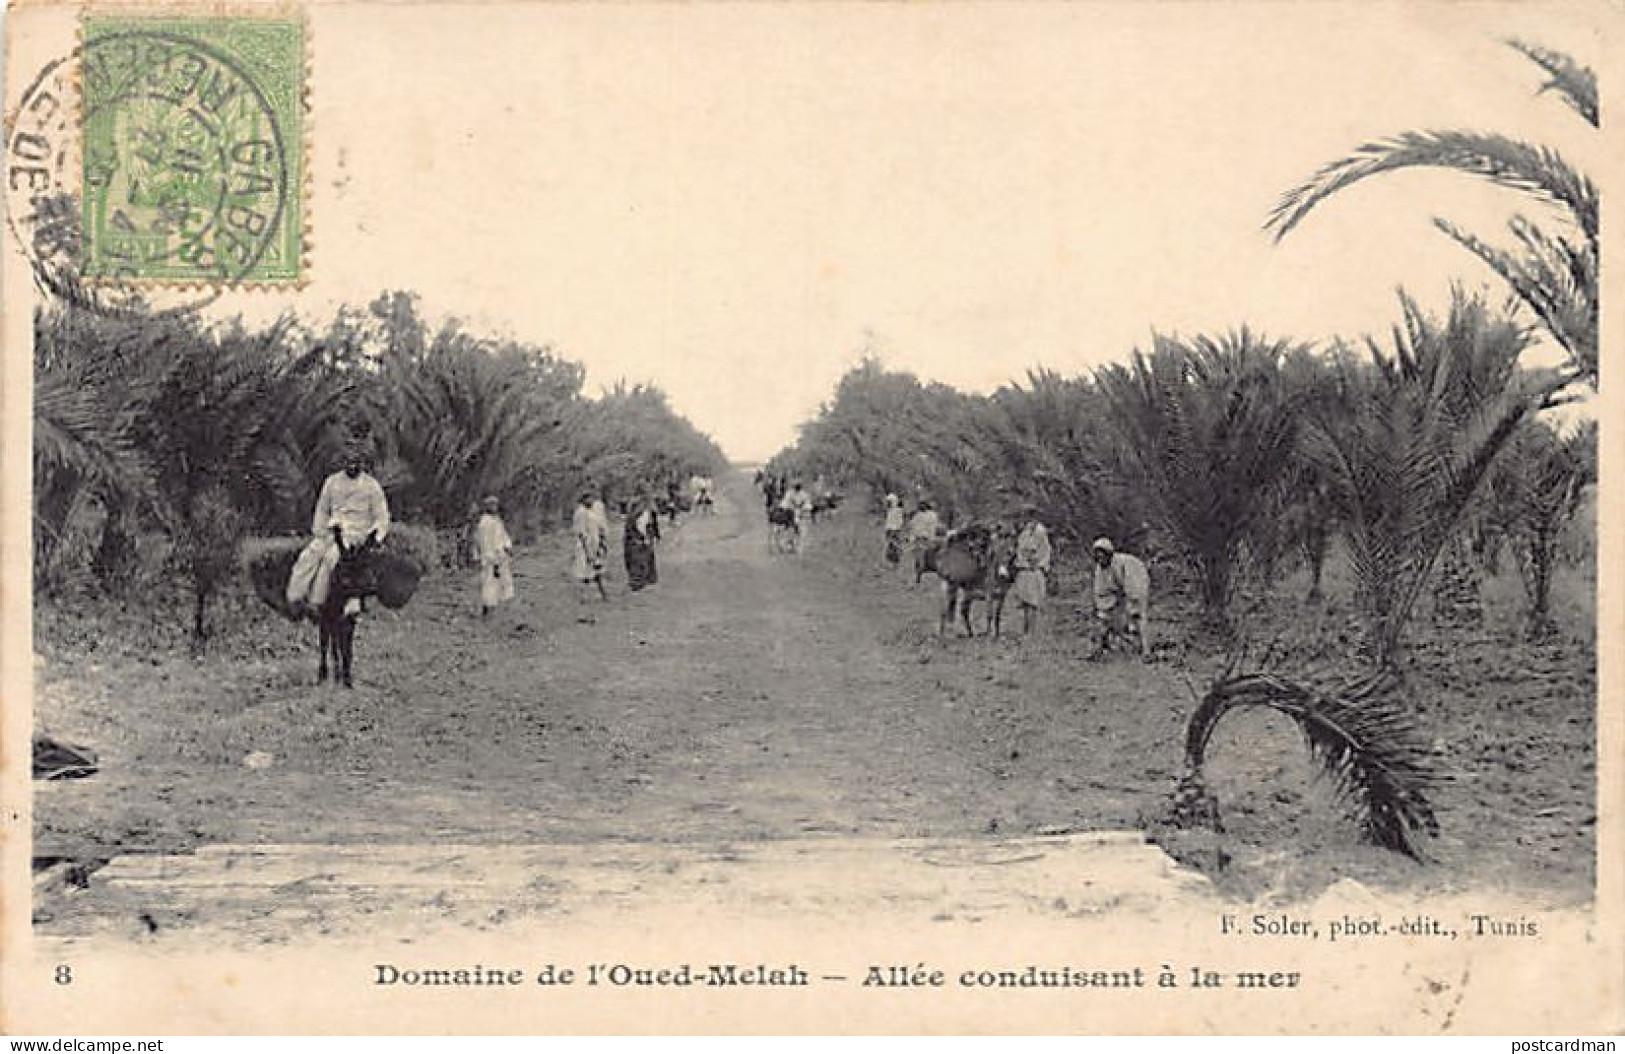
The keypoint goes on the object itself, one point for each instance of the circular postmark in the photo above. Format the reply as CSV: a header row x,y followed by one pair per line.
x,y
153,182
42,181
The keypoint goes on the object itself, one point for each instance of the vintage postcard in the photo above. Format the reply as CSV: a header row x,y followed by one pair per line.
x,y
811,518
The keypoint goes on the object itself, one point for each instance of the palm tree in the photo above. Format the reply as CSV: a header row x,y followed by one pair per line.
x,y
1302,520
630,439
1537,491
886,430
1553,271
1055,446
82,452
1409,443
1207,434
202,435
469,427
225,419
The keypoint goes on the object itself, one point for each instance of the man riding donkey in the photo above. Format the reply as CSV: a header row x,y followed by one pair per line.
x,y
352,515
340,565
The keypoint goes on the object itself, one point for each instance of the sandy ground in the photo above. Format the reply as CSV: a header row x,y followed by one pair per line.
x,y
754,697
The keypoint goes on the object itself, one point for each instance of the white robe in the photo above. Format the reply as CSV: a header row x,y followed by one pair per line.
x,y
494,549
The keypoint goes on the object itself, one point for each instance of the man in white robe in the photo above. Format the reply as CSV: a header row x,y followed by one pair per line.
x,y
1032,565
1122,589
590,528
494,551
351,507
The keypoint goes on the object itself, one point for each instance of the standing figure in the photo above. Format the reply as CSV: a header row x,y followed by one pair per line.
x,y
1032,562
924,536
638,543
798,503
674,499
925,527
351,511
493,551
894,528
1122,596
591,533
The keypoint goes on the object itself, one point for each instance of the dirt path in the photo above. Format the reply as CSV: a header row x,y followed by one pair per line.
x,y
749,697
746,695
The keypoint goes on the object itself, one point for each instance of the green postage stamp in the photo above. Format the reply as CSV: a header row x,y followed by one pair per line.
x,y
193,137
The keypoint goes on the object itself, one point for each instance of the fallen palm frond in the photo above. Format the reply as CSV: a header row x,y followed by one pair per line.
x,y
1364,740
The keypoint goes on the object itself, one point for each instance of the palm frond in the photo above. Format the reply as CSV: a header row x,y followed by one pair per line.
x,y
1365,741
1556,278
1576,84
1531,169
76,431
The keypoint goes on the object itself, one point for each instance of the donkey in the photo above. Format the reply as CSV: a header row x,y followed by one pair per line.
x,y
368,569
1001,575
353,578
974,562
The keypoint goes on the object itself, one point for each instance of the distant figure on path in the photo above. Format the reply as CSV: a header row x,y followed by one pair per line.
x,y
674,500
894,528
924,535
493,550
798,503
350,508
1122,595
925,528
591,533
772,492
1032,563
638,543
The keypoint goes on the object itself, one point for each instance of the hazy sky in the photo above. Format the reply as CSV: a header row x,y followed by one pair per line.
x,y
734,201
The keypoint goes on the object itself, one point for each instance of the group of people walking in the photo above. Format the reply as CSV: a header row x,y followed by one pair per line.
x,y
352,512
1026,577
589,531
589,534
1120,584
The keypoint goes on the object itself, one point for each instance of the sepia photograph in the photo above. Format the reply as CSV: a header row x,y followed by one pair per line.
x,y
809,518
